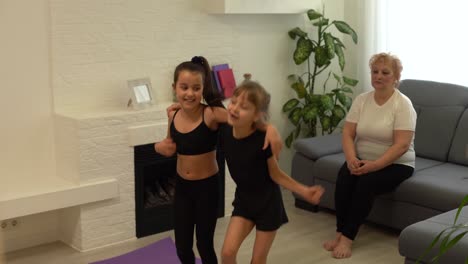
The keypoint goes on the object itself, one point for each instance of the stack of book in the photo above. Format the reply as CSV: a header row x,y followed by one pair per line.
x,y
224,79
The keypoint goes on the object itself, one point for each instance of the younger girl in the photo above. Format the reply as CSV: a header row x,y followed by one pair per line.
x,y
258,201
193,134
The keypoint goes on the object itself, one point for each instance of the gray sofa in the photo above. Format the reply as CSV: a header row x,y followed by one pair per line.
x,y
440,180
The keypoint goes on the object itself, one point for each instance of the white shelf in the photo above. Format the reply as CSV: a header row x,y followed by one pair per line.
x,y
51,193
259,6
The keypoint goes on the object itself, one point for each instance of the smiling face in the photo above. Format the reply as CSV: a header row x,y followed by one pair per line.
x,y
241,112
382,75
189,89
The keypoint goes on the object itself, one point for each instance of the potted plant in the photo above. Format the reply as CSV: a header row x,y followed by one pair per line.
x,y
308,111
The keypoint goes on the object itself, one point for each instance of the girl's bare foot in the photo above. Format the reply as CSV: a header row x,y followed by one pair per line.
x,y
343,248
330,245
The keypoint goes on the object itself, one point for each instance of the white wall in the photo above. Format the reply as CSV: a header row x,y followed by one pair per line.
x,y
26,132
27,137
97,45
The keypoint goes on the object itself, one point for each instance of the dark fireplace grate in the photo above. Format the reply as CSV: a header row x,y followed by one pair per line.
x,y
154,190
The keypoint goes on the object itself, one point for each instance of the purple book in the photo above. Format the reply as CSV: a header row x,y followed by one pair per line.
x,y
215,69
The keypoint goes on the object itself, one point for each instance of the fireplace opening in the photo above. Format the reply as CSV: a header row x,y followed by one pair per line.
x,y
155,188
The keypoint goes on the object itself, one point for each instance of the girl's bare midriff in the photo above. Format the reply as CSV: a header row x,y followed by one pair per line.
x,y
197,167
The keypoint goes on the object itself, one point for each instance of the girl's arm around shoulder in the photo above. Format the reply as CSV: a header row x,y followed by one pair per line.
x,y
167,147
215,115
272,138
310,193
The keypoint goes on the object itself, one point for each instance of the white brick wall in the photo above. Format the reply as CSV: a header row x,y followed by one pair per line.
x,y
99,45
103,148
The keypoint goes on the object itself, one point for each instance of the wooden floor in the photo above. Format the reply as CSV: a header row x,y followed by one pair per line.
x,y
298,242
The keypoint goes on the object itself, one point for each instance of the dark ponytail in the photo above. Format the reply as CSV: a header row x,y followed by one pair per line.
x,y
200,64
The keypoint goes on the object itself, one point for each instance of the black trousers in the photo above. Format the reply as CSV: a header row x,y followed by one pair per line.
x,y
196,208
355,195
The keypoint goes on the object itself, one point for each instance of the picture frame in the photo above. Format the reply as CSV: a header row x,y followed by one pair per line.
x,y
141,93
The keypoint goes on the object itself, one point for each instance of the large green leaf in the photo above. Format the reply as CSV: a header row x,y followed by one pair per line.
x,y
295,115
303,49
321,22
335,121
341,58
312,14
337,78
293,77
341,98
310,112
347,90
297,32
299,88
289,139
343,27
326,102
339,112
315,99
330,45
290,104
339,42
321,57
348,102
350,81
326,122
297,131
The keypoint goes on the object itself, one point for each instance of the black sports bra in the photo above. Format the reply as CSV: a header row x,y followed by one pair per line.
x,y
198,141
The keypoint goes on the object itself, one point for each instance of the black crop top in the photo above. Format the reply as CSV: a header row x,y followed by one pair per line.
x,y
198,141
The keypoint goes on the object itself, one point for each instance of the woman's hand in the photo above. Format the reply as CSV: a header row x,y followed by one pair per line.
x,y
273,139
167,147
313,194
353,165
366,166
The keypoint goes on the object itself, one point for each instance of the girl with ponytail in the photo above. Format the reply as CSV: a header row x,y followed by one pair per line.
x,y
193,135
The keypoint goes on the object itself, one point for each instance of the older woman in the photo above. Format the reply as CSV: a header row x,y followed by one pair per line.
x,y
378,144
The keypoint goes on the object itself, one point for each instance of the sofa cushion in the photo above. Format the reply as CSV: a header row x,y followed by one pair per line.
x,y
422,163
429,93
432,140
440,187
316,147
459,145
327,167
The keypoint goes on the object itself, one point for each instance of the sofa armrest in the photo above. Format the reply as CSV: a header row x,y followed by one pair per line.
x,y
316,147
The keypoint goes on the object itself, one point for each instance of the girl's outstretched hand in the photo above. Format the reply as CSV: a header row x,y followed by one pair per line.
x,y
313,194
273,139
166,147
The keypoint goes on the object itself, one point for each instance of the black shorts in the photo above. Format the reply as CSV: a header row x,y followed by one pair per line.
x,y
268,215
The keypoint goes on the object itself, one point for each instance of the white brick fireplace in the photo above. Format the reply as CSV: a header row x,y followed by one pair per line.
x,y
100,145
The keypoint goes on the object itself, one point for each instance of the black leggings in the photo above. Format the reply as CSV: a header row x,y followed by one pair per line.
x,y
355,195
196,204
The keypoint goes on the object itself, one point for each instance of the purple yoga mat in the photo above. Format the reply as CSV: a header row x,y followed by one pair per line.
x,y
163,252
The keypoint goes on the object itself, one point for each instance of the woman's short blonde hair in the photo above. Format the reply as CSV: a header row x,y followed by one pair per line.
x,y
393,60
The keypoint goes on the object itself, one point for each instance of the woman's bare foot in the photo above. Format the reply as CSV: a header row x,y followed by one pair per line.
x,y
330,245
343,248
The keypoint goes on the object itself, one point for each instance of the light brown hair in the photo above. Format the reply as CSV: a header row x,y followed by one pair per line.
x,y
391,59
255,94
